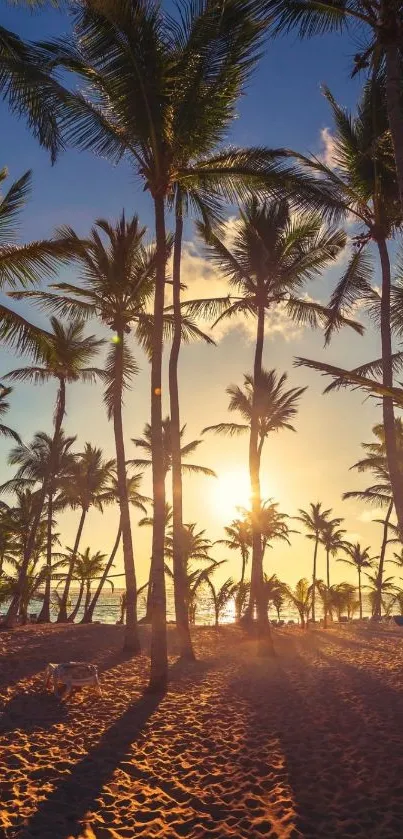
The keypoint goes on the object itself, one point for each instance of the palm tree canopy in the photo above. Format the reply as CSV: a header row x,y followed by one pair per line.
x,y
33,461
145,443
275,405
274,254
89,482
359,556
5,430
314,520
162,92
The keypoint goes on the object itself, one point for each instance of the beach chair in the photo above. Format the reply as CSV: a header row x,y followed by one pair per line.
x,y
70,674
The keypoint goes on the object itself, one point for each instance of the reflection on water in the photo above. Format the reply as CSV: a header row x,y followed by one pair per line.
x,y
108,608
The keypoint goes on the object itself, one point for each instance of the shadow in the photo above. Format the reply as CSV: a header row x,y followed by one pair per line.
x,y
30,712
63,811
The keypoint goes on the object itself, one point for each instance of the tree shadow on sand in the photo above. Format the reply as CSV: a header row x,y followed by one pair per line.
x,y
339,727
62,813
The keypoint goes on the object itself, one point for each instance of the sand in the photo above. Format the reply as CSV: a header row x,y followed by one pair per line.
x,y
309,745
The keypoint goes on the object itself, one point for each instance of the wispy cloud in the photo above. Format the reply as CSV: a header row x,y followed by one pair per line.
x,y
327,153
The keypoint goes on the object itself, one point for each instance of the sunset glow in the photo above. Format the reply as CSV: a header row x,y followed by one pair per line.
x,y
231,491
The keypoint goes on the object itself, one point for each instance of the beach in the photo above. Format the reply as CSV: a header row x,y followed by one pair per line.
x,y
309,744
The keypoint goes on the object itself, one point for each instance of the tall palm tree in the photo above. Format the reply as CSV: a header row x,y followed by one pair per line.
x,y
63,356
47,462
162,93
238,538
136,500
332,541
363,184
88,485
314,520
88,566
264,409
379,23
359,559
386,587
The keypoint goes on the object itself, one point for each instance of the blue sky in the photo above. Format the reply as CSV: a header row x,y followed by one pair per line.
x,y
283,106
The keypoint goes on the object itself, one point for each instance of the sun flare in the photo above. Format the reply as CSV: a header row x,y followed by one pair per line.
x,y
232,490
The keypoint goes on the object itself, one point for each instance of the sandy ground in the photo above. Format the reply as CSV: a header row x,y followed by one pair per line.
x,y
309,745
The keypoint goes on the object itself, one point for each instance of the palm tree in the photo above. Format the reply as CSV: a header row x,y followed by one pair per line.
x,y
314,520
178,82
221,597
332,541
46,461
138,501
264,409
5,430
145,444
380,493
359,559
363,184
274,589
380,25
88,566
62,356
88,485
301,598
386,586
343,598
239,538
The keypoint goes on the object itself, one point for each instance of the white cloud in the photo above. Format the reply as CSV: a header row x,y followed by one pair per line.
x,y
327,154
370,515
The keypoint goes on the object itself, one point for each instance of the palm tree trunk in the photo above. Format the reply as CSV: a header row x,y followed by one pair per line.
x,y
62,616
89,612
159,653
131,642
257,594
30,545
149,611
87,595
396,478
181,612
244,561
394,104
378,604
315,554
360,592
78,603
328,568
44,615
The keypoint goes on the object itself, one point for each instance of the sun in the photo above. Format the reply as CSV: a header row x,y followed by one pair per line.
x,y
231,490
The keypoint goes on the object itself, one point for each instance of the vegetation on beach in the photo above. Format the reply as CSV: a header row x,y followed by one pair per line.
x,y
161,93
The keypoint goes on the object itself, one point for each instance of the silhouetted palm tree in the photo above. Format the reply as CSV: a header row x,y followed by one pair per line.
x,y
88,485
301,597
62,355
333,542
221,596
376,26
87,567
270,408
359,559
239,538
314,520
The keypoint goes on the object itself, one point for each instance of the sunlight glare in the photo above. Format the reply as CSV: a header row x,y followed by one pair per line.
x,y
232,490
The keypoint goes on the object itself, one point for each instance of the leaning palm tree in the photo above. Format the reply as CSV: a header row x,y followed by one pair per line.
x,y
315,521
376,26
265,408
88,485
46,462
136,500
359,558
178,82
363,184
63,356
